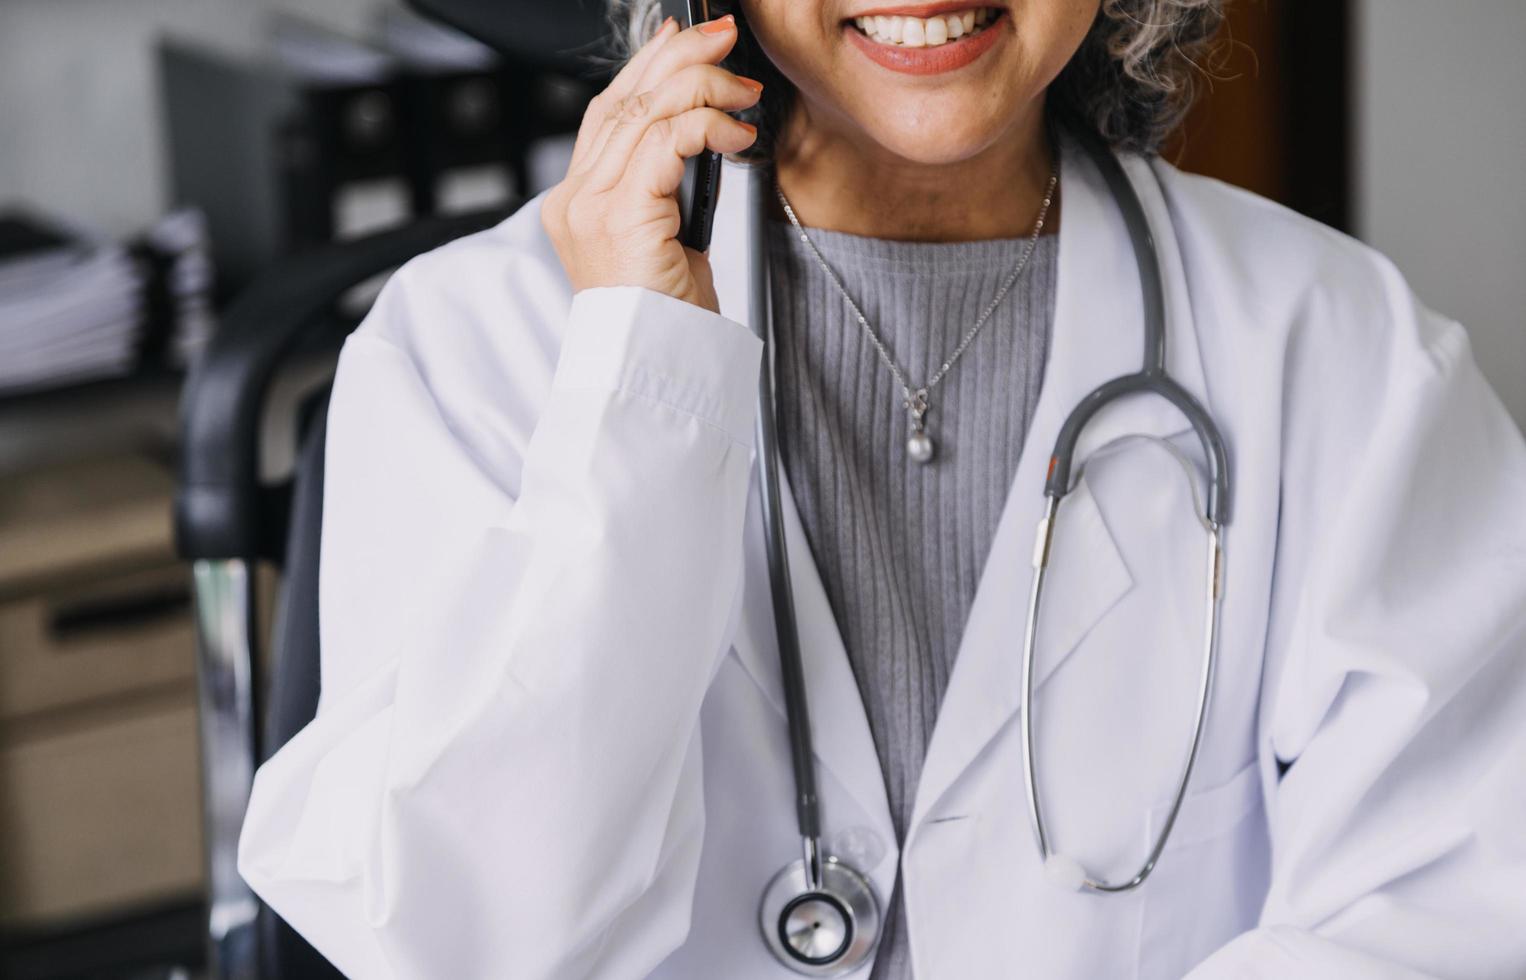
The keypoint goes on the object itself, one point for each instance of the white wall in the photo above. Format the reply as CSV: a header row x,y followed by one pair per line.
x,y
80,131
1441,164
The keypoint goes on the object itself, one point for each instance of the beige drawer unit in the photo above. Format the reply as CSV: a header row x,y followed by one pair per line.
x,y
82,520
100,808
99,819
71,646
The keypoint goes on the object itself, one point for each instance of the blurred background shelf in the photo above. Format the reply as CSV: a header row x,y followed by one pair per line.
x,y
139,411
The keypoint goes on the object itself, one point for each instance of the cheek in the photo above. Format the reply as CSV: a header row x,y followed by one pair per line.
x,y
792,32
1061,26
1047,34
790,36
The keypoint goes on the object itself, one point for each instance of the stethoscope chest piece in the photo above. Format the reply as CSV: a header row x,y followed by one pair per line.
x,y
828,931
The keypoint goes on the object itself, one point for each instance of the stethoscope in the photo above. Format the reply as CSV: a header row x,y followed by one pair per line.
x,y
820,916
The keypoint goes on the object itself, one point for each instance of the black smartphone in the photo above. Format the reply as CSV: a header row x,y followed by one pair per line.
x,y
701,187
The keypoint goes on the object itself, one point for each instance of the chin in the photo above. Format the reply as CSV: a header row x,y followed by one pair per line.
x,y
932,133
929,149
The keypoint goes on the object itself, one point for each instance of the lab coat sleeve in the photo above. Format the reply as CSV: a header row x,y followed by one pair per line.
x,y
503,778
1396,669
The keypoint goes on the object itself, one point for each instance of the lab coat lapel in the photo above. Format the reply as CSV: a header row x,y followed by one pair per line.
x,y
1098,334
840,727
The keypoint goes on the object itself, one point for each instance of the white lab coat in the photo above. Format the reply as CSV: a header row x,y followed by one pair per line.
x,y
551,742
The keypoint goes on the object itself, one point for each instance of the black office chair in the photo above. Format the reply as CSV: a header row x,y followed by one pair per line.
x,y
227,520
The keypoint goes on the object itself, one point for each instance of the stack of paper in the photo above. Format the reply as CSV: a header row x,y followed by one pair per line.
x,y
182,251
71,308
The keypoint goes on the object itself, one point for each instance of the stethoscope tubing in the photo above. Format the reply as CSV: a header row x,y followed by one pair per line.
x,y
1152,377
791,664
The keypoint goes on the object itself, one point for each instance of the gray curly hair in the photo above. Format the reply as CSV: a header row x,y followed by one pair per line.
x,y
1130,82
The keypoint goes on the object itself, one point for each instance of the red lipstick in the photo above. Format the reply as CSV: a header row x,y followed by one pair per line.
x,y
934,60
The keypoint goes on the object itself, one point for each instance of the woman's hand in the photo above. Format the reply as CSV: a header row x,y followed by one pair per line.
x,y
614,219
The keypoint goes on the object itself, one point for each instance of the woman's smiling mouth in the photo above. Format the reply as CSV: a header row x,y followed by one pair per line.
x,y
926,39
919,32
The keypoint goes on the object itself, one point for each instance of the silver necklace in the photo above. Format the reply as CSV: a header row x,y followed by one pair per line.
x,y
919,445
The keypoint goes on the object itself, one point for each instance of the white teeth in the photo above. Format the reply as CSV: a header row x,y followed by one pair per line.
x,y
917,32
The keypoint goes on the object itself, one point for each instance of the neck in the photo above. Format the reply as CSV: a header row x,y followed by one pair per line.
x,y
842,183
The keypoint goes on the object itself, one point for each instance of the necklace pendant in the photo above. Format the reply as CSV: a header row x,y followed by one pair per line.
x,y
919,445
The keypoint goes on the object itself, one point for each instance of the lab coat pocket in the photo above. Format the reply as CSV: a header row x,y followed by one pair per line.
x,y
1212,877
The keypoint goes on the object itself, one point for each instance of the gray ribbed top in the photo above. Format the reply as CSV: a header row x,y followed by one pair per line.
x,y
900,546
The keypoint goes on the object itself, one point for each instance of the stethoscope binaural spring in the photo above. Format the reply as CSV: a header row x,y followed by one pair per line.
x,y
819,916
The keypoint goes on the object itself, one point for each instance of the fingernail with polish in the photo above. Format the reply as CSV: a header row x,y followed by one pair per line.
x,y
719,26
